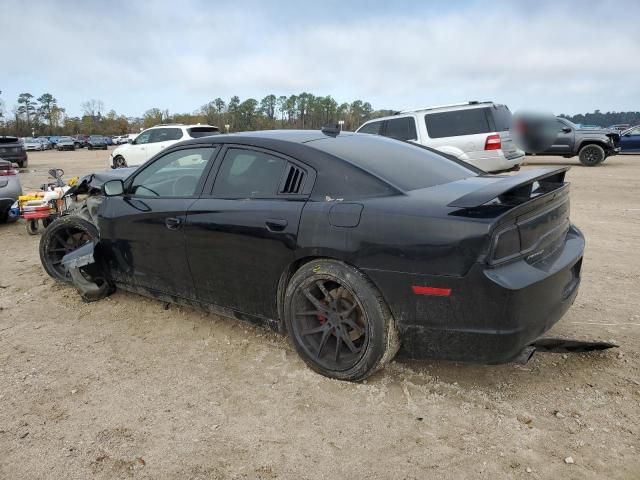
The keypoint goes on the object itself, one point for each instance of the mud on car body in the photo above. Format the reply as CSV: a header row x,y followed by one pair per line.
x,y
354,244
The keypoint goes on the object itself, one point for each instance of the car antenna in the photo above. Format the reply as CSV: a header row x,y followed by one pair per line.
x,y
331,130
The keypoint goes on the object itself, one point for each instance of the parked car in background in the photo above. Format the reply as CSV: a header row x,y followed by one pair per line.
x,y
10,188
621,127
96,142
33,144
81,141
53,140
154,140
590,145
475,132
66,143
129,138
45,141
630,140
12,149
108,140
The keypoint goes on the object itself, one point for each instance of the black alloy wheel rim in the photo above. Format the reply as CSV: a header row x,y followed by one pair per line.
x,y
119,162
64,241
330,324
591,155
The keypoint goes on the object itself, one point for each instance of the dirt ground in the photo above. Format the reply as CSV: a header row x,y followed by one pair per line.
x,y
129,388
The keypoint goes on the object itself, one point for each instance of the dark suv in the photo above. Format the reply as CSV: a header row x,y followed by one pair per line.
x,y
591,145
96,142
12,149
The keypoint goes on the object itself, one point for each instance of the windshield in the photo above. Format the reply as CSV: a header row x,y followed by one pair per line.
x,y
570,123
404,165
65,139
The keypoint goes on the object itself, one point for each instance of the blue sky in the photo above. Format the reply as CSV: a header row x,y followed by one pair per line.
x,y
566,57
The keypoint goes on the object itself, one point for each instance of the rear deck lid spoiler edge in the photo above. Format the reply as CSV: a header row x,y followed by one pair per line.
x,y
485,194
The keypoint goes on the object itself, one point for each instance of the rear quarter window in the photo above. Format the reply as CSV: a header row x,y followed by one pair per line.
x,y
371,128
401,129
403,165
457,123
197,132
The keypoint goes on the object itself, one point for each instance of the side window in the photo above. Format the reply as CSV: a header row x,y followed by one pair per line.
x,y
401,129
143,138
175,174
248,174
457,123
165,134
372,128
635,131
561,125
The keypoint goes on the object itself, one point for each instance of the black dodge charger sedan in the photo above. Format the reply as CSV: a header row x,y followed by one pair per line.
x,y
356,245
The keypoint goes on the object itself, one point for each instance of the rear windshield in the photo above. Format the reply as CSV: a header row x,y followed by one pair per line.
x,y
402,164
197,132
8,139
468,122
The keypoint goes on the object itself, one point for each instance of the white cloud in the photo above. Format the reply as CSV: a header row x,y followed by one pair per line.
x,y
564,57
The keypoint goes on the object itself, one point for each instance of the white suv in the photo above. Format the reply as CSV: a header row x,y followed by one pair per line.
x,y
154,140
475,132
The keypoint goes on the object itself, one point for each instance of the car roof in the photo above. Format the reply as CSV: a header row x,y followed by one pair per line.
x,y
181,125
436,108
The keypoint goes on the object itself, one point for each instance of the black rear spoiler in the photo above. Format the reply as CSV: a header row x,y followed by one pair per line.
x,y
516,186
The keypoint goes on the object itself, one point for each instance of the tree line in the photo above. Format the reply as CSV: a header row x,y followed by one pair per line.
x,y
605,119
43,115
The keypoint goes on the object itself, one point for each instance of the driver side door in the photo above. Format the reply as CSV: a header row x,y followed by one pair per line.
x,y
142,233
563,144
630,140
137,152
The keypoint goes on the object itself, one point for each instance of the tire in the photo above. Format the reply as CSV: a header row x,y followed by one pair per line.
x,y
317,298
32,227
119,162
62,236
24,164
591,155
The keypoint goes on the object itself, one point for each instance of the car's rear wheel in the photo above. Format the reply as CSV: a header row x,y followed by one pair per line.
x,y
591,155
62,236
119,162
338,321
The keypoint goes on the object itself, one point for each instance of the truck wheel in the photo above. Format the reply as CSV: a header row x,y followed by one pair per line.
x,y
338,322
591,155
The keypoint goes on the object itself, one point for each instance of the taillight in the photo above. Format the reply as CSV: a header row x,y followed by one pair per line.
x,y
507,244
7,171
493,142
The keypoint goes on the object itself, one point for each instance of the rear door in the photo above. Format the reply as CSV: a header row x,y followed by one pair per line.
x,y
142,231
243,234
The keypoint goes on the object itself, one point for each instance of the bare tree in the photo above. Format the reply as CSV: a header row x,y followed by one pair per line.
x,y
92,108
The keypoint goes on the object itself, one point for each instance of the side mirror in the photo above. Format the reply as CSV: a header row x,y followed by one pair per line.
x,y
113,188
129,140
566,130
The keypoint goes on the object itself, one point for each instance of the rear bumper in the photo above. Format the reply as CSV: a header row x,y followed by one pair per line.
x,y
491,314
13,157
493,160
